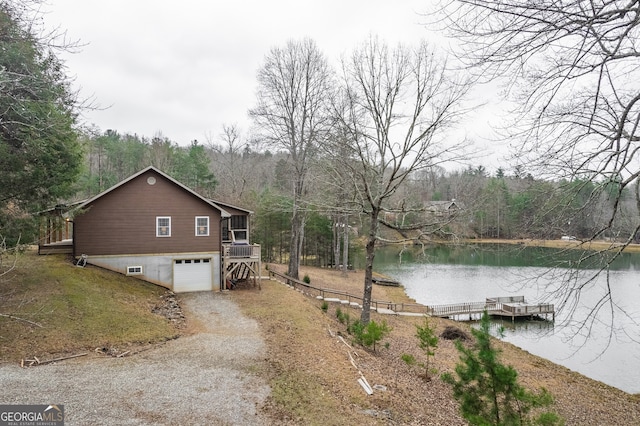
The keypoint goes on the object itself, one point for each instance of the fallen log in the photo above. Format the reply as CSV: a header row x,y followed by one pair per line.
x,y
21,319
36,361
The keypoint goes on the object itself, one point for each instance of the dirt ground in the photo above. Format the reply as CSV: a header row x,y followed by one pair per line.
x,y
314,369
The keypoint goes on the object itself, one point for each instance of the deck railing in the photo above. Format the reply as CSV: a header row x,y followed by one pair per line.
x,y
242,250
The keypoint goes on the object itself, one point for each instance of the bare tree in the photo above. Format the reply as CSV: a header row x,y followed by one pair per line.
x,y
294,87
396,105
234,171
573,69
161,152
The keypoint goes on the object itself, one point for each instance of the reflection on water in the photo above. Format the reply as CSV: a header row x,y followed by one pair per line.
x,y
603,350
533,327
501,327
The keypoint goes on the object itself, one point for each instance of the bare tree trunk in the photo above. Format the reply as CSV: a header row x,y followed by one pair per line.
x,y
368,271
296,244
301,239
345,246
336,242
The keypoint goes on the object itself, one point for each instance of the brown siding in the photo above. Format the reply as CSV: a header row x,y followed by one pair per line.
x,y
123,221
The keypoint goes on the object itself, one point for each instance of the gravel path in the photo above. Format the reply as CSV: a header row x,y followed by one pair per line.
x,y
202,379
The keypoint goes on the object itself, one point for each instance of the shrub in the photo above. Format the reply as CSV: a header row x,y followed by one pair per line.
x,y
306,279
356,329
344,318
324,306
408,359
370,334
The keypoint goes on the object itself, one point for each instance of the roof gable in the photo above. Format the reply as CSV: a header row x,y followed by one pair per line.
x,y
443,205
223,212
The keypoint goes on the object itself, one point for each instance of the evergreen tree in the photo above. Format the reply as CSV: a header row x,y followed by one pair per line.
x,y
428,342
191,167
488,391
39,152
40,156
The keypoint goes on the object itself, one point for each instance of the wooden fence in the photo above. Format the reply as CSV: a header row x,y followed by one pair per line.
x,y
347,298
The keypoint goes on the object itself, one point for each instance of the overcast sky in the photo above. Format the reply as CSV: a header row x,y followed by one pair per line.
x,y
186,68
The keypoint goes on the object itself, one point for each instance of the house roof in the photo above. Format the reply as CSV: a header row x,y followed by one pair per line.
x,y
442,205
231,206
213,204
60,208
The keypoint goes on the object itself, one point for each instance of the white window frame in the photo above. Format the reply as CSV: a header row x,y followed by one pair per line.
x,y
198,234
134,270
160,234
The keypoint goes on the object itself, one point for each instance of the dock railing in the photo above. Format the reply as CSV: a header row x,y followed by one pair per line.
x,y
506,299
529,309
460,308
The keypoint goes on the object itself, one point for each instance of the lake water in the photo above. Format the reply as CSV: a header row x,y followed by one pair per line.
x,y
606,348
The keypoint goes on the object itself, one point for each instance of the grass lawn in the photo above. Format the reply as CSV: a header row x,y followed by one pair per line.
x,y
75,309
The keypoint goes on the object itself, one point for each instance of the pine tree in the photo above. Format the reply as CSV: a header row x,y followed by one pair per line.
x,y
428,343
488,391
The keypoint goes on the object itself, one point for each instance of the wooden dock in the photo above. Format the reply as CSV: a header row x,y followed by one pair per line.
x,y
510,307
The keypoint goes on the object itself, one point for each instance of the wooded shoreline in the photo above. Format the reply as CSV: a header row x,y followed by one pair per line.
x,y
561,244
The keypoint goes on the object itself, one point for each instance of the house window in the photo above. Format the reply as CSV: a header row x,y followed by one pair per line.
x,y
163,226
238,222
235,229
202,226
239,235
134,270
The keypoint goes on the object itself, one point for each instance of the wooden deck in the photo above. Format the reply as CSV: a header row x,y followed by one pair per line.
x,y
241,262
58,247
511,307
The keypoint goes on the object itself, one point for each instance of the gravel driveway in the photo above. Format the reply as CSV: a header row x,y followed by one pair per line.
x,y
202,379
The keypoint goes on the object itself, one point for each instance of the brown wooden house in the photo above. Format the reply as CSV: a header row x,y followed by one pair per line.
x,y
154,228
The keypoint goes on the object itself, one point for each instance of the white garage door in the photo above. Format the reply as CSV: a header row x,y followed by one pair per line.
x,y
191,275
